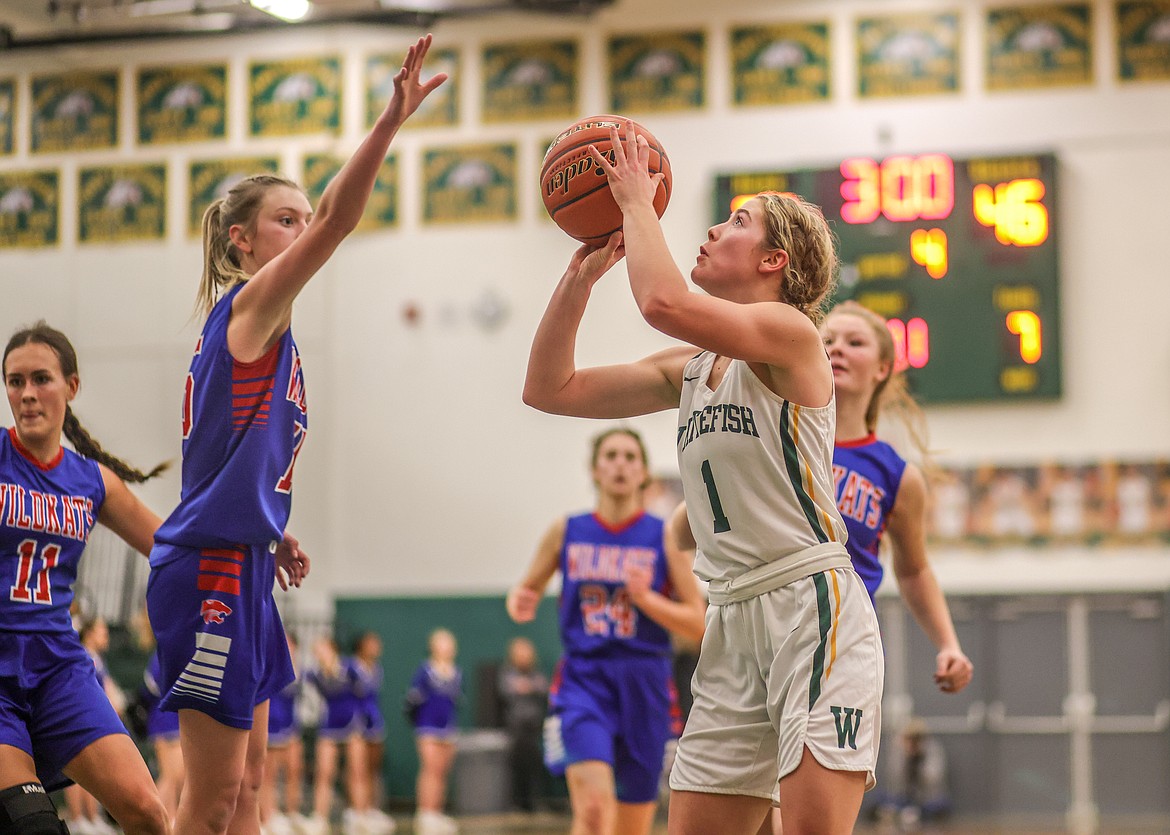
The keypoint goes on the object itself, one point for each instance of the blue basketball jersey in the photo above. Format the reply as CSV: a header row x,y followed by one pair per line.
x,y
243,425
867,474
596,614
46,514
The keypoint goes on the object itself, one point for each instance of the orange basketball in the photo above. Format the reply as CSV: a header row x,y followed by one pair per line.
x,y
576,191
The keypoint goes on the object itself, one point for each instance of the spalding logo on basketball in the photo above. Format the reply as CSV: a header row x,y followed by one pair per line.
x,y
576,191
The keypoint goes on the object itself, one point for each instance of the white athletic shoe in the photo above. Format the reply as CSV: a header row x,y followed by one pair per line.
x,y
278,824
434,823
311,826
379,823
81,826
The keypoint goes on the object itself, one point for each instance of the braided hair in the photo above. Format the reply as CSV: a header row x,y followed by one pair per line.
x,y
42,334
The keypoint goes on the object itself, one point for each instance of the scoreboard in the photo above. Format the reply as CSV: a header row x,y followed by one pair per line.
x,y
959,255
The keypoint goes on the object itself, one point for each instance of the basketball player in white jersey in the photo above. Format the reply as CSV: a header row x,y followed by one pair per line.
x,y
789,678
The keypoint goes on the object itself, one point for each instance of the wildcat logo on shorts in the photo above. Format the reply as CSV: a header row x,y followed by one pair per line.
x,y
214,611
848,720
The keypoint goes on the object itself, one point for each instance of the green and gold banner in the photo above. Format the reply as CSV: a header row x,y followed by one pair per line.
x,y
439,109
1031,47
908,55
469,184
1143,40
785,63
381,210
7,116
209,180
76,111
296,96
530,80
657,72
182,104
122,203
30,203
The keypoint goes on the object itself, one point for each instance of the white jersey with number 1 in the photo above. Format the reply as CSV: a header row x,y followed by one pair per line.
x,y
757,473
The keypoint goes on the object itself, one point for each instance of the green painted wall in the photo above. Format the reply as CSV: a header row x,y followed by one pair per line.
x,y
482,628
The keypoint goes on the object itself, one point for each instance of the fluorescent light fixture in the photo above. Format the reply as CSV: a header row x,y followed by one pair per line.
x,y
290,10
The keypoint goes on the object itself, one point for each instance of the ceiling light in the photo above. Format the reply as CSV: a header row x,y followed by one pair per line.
x,y
290,10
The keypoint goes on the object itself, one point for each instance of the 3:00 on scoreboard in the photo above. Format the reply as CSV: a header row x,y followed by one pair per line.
x,y
960,255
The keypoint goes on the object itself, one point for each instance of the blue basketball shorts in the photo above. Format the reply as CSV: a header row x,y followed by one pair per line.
x,y
342,717
282,720
162,724
375,727
52,706
617,710
221,643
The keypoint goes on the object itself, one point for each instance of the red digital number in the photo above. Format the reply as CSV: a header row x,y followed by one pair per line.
x,y
30,588
902,188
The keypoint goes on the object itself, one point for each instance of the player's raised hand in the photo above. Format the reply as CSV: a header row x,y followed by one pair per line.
x,y
409,89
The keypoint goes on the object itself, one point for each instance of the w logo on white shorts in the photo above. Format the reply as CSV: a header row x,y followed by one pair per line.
x,y
847,720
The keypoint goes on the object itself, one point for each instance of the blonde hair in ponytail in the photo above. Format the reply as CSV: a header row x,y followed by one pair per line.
x,y
221,259
892,395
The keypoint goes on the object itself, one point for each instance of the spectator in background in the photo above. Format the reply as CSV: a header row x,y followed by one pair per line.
x,y
280,812
85,815
431,704
917,774
367,666
524,695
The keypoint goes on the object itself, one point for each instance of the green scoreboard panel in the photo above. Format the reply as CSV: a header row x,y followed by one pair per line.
x,y
958,254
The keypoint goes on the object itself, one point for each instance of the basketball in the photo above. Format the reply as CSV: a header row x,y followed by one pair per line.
x,y
576,191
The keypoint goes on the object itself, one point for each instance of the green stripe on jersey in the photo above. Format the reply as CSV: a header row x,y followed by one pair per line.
x,y
825,622
792,464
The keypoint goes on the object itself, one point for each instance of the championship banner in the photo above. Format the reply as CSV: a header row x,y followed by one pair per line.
x,y
1031,47
908,55
382,209
439,109
116,204
530,80
75,111
181,104
296,96
658,72
208,180
787,63
1143,40
7,116
30,203
469,184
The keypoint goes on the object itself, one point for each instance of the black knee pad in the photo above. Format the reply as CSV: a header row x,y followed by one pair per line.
x,y
27,810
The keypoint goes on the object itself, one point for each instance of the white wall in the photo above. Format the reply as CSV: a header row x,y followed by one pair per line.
x,y
423,470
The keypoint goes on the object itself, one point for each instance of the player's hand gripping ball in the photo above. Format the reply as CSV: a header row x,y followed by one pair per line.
x,y
576,191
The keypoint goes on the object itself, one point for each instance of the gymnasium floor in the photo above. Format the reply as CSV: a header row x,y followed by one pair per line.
x,y
549,824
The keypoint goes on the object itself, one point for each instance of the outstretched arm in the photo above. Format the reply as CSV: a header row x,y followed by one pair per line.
x,y
919,585
555,384
262,309
685,613
769,332
126,515
524,597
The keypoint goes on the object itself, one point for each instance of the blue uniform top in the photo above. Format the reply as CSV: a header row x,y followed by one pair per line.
x,y
46,514
596,615
243,425
867,474
433,699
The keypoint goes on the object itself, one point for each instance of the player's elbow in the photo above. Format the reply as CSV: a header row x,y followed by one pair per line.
x,y
663,312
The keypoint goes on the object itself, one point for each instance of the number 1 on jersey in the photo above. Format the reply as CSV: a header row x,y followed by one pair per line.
x,y
721,523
